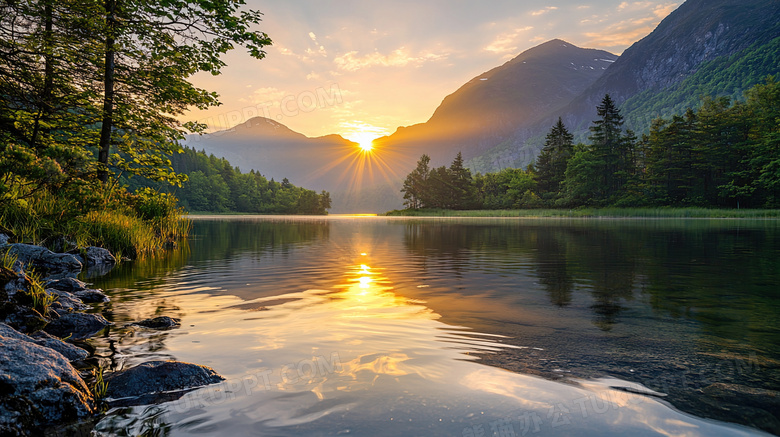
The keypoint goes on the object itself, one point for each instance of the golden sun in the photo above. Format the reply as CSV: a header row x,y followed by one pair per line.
x,y
364,139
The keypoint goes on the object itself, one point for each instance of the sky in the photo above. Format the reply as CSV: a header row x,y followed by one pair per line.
x,y
363,68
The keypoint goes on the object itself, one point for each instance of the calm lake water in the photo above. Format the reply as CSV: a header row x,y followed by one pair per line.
x,y
376,326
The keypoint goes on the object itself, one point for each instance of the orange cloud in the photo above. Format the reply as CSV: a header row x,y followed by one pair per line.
x,y
352,61
506,42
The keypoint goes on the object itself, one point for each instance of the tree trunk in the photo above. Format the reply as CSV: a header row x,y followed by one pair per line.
x,y
108,93
48,74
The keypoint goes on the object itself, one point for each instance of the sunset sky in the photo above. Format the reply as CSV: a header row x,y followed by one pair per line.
x,y
367,67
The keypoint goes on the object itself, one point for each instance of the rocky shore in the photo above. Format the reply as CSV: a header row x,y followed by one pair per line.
x,y
49,379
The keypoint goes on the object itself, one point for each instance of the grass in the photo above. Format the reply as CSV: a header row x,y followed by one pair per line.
x,y
128,225
596,212
100,387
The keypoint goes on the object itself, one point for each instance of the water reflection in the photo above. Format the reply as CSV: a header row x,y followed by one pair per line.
x,y
380,327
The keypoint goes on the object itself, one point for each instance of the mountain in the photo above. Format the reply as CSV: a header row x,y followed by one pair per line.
x,y
698,32
491,105
329,163
672,68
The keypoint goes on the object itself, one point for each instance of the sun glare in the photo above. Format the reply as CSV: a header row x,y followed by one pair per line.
x,y
364,139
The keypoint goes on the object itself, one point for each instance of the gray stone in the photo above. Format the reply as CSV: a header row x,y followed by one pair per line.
x,y
66,284
40,338
56,265
66,302
77,326
163,322
91,296
3,239
96,260
159,376
98,256
38,388
21,318
69,351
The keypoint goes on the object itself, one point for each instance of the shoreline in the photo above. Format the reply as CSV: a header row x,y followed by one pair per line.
x,y
613,213
53,379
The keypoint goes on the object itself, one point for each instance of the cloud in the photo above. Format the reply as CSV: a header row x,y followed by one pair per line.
x,y
506,42
313,36
543,11
645,16
267,95
352,61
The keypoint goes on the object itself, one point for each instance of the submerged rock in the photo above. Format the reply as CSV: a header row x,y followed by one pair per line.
x,y
56,265
38,387
159,376
77,326
163,322
91,295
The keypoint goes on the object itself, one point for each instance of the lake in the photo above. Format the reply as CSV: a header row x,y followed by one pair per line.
x,y
375,326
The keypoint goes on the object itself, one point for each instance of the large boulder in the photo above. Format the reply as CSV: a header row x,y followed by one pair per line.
x,y
159,376
55,265
38,388
77,326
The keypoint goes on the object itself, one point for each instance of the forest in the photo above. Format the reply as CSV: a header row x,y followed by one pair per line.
x,y
725,154
214,185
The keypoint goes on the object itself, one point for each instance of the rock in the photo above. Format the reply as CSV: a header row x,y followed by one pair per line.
x,y
40,338
92,296
98,261
77,326
56,265
159,376
94,256
69,351
38,388
66,302
66,284
3,239
22,318
6,275
163,322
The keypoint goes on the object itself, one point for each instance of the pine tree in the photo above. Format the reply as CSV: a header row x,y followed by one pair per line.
x,y
612,148
463,193
553,159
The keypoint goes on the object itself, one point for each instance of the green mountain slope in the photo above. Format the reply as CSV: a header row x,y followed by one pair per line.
x,y
724,76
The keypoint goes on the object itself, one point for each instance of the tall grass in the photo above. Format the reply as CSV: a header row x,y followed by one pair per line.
x,y
597,212
131,225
